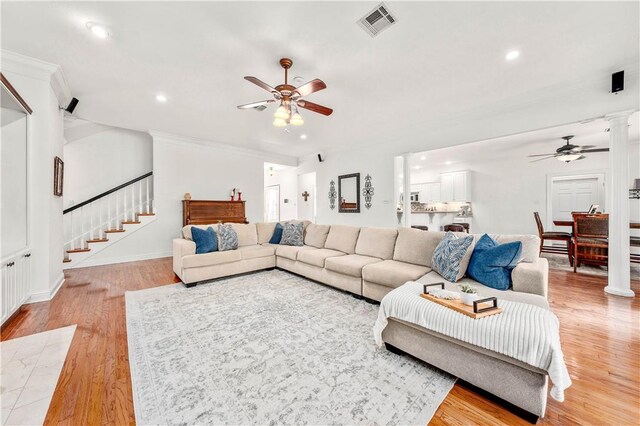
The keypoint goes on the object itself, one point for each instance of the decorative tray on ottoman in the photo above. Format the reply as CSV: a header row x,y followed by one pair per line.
x,y
478,310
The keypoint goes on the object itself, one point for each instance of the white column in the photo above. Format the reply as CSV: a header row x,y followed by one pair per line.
x,y
619,263
406,189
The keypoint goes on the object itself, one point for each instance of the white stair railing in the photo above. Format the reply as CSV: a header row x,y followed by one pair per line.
x,y
89,220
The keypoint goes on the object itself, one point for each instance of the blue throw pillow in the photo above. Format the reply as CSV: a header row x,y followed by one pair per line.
x,y
277,235
448,257
206,240
491,263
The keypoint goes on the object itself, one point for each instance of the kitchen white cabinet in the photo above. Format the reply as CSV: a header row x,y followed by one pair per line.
x,y
455,186
428,192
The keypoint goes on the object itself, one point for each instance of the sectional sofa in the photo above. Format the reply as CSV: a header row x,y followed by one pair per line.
x,y
369,263
366,262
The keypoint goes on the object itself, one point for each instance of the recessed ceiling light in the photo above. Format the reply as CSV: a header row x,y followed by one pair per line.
x,y
423,158
447,163
303,136
512,55
98,30
161,98
417,167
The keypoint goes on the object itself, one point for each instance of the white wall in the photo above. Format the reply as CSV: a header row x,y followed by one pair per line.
x,y
33,80
208,173
98,158
307,209
506,192
378,162
287,179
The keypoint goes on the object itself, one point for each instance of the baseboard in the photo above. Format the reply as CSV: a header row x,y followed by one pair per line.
x,y
44,296
123,259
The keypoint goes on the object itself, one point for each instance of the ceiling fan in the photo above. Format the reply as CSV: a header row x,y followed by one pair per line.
x,y
290,98
569,152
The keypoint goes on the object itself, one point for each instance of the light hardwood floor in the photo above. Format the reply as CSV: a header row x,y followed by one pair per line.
x,y
600,336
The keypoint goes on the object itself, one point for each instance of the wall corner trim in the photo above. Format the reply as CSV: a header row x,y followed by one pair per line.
x,y
44,296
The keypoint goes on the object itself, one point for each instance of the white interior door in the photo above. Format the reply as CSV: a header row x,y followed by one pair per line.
x,y
575,194
272,203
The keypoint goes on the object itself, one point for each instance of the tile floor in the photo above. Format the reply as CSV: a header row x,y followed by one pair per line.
x,y
29,374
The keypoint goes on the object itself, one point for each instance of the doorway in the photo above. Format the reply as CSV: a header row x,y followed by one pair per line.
x,y
272,203
574,193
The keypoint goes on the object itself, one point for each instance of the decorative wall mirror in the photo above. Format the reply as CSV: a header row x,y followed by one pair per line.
x,y
349,193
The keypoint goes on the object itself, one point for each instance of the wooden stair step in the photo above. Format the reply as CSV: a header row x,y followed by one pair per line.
x,y
131,222
145,214
66,260
98,240
109,231
78,250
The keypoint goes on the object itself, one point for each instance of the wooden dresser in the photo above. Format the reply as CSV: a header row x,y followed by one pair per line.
x,y
206,212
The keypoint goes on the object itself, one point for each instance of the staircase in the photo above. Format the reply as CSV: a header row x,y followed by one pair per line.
x,y
101,221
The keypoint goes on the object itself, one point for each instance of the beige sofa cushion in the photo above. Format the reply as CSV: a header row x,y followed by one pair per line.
x,y
265,231
316,235
291,252
210,259
247,234
392,273
416,246
351,264
530,245
256,251
377,242
318,256
342,238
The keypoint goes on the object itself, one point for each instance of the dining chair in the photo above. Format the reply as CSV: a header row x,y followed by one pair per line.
x,y
591,239
554,236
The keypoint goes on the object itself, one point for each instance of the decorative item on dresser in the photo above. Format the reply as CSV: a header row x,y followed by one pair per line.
x,y
205,212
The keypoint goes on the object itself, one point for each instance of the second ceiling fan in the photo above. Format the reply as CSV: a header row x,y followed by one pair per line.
x,y
569,152
290,98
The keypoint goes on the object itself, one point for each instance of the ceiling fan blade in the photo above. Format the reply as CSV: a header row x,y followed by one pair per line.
x,y
255,104
311,87
582,157
544,158
538,155
595,150
261,83
583,147
314,107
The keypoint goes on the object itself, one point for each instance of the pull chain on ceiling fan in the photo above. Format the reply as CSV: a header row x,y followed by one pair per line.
x,y
289,97
569,152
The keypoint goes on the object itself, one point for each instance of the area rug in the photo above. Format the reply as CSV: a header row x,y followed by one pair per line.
x,y
268,348
561,262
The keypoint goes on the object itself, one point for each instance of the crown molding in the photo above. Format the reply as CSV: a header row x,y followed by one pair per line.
x,y
39,70
266,156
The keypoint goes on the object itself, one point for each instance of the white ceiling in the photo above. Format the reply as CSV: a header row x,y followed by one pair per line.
x,y
439,59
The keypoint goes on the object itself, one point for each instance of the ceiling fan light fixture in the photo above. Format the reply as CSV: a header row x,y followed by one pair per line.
x,y
296,120
568,158
279,122
281,113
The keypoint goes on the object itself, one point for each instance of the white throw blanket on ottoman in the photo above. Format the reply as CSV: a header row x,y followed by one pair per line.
x,y
525,332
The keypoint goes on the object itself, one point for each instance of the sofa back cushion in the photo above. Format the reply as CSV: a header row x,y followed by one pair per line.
x,y
416,246
247,234
377,242
316,235
342,238
530,245
265,231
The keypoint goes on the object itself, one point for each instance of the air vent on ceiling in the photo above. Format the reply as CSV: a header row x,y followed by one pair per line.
x,y
260,107
377,20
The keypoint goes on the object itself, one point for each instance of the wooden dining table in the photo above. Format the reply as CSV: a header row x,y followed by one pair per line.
x,y
632,225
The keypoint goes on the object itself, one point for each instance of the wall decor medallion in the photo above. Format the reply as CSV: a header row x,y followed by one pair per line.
x,y
332,195
367,191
